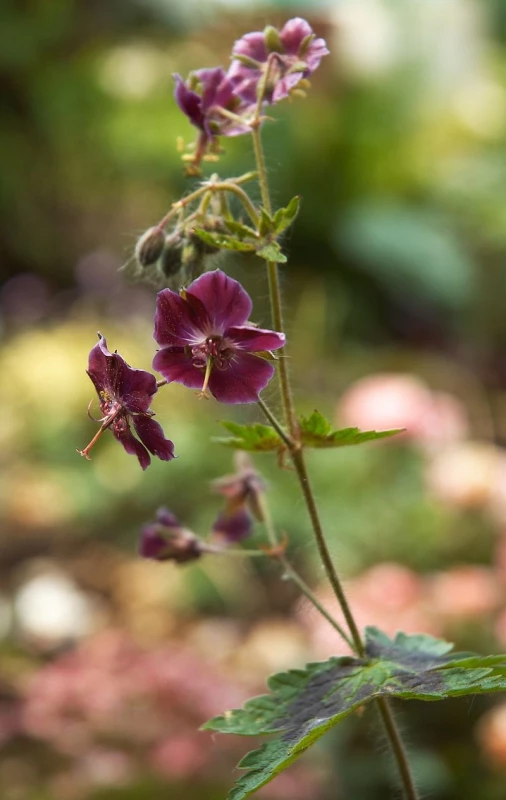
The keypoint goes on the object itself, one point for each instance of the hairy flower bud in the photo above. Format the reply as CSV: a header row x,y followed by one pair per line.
x,y
273,40
150,246
171,258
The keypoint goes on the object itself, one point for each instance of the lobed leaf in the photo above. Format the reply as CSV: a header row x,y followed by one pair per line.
x,y
255,437
284,217
317,431
272,252
306,703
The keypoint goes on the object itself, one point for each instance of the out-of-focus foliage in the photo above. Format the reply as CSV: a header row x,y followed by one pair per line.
x,y
395,268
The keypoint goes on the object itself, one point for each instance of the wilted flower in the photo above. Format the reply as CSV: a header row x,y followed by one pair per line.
x,y
167,540
287,56
242,491
125,395
211,103
206,342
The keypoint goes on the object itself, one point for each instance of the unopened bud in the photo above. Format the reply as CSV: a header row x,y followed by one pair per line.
x,y
171,258
149,247
273,41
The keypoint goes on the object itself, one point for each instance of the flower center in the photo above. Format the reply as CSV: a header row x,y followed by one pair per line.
x,y
214,349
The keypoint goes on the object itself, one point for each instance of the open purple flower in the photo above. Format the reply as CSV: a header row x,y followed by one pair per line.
x,y
125,395
206,343
288,56
167,540
211,103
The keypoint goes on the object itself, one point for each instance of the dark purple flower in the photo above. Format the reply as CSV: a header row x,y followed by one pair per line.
x,y
206,342
242,491
233,526
167,540
125,395
211,103
288,55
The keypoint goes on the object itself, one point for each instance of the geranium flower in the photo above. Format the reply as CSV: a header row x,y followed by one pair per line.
x,y
288,55
125,395
211,103
242,491
206,343
167,540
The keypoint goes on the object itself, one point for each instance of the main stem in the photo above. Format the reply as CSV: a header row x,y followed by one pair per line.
x,y
298,460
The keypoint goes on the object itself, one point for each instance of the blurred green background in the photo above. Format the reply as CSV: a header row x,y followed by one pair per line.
x,y
394,294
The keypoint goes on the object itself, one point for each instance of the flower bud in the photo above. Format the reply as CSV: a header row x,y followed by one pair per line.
x,y
171,257
150,246
273,40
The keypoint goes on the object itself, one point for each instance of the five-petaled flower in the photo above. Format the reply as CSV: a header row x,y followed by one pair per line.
x,y
125,395
206,343
211,103
280,58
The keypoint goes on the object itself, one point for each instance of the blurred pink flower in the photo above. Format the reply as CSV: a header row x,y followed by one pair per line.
x,y
491,735
464,591
394,400
464,474
181,755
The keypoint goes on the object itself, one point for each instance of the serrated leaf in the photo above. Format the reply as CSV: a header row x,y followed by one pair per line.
x,y
305,704
284,217
272,252
265,223
224,241
255,437
317,431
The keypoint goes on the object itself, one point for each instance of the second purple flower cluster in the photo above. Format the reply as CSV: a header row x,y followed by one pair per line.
x,y
266,67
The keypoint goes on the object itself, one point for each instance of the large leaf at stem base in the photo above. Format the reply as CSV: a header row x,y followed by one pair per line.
x,y
306,703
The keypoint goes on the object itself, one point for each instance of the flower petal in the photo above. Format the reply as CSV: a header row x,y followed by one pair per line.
x,y
233,527
243,379
293,33
133,447
246,337
251,45
151,435
133,388
224,299
177,322
189,102
174,365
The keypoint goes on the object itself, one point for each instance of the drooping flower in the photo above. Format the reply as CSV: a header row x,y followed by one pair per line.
x,y
125,395
167,540
210,101
206,343
242,491
287,56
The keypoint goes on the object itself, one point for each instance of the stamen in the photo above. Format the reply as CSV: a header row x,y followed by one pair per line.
x,y
93,419
107,422
203,392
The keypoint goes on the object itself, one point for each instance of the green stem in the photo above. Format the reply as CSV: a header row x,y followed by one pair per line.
x,y
298,460
292,573
397,746
276,425
212,187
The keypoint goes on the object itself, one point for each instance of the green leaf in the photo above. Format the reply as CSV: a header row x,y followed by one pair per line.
x,y
223,241
272,252
284,217
241,230
317,431
304,704
261,438
265,223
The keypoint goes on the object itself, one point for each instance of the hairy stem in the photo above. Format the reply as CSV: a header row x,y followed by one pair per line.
x,y
298,460
398,750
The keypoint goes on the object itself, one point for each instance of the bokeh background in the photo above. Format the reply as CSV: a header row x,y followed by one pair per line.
x,y
395,292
